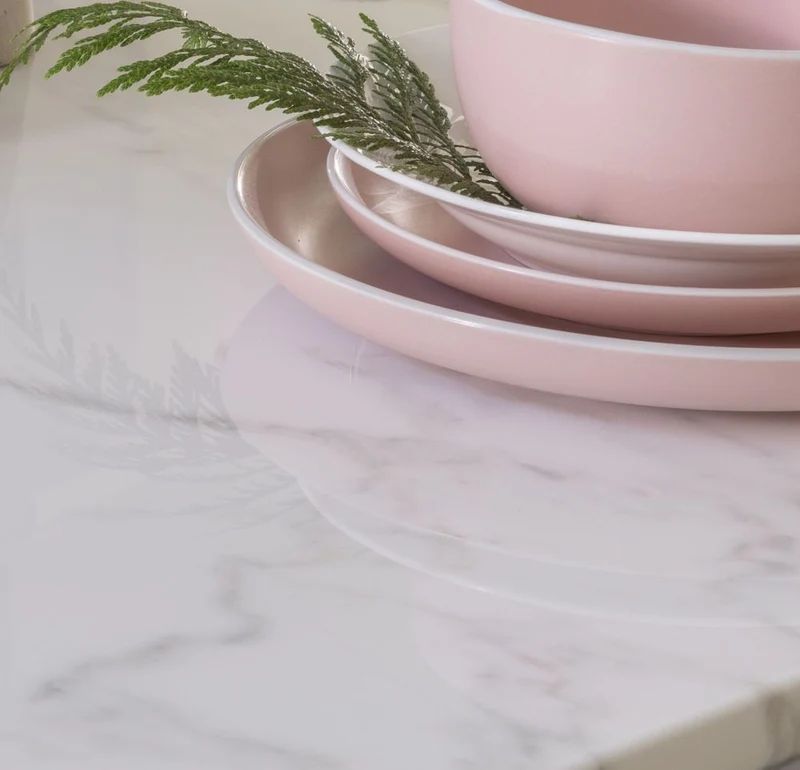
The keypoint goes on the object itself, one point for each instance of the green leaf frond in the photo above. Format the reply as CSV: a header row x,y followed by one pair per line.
x,y
378,101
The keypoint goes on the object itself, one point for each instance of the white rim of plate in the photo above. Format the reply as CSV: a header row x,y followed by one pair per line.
x,y
341,179
647,347
551,221
629,38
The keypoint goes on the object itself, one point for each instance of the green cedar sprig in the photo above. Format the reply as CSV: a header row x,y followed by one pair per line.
x,y
378,101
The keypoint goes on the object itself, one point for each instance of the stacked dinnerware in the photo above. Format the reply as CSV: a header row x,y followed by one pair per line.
x,y
656,147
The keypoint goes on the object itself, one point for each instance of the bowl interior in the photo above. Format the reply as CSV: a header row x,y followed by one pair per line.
x,y
750,24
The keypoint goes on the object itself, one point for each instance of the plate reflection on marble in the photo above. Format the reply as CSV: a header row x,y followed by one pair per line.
x,y
566,677
677,516
567,587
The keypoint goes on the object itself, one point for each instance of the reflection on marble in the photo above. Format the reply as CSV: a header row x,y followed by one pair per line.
x,y
590,687
175,603
601,519
601,508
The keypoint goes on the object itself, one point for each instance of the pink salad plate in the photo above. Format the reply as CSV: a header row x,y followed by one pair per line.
x,y
418,231
281,196
592,249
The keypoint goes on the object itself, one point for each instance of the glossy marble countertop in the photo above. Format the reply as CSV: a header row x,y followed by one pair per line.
x,y
234,536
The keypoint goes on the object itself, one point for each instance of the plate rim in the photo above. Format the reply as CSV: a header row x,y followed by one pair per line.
x,y
339,181
236,200
644,41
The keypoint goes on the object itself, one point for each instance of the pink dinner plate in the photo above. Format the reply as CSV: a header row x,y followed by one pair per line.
x,y
281,196
418,231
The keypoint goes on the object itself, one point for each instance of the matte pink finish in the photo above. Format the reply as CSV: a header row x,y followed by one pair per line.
x,y
281,197
619,128
417,231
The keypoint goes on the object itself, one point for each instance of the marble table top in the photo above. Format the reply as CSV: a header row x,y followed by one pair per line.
x,y
235,536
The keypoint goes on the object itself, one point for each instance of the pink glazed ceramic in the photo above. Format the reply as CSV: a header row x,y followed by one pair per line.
x,y
419,232
677,115
280,195
591,249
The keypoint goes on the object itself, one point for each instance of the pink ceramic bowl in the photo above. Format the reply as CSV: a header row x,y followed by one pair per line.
x,y
673,114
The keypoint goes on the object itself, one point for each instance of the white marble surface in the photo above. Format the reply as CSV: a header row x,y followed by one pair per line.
x,y
234,536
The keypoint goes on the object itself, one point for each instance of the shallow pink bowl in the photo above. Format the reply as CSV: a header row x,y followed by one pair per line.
x,y
582,110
